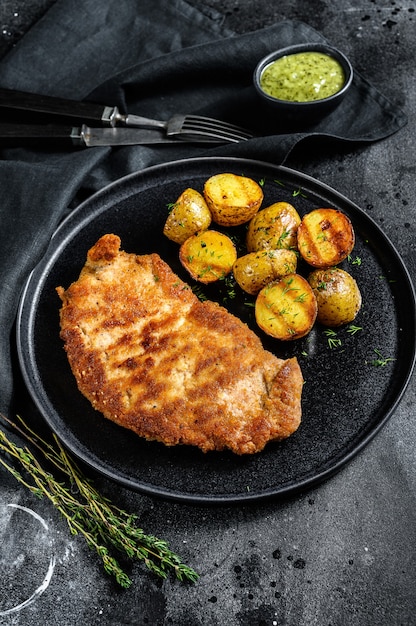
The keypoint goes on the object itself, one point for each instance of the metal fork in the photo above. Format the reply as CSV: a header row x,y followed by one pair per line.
x,y
186,127
190,126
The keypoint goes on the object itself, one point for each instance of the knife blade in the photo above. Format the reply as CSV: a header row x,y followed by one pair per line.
x,y
28,108
67,137
132,136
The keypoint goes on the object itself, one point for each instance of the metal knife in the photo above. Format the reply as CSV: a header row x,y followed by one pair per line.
x,y
66,137
29,108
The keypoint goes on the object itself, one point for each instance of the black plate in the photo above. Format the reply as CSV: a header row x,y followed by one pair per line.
x,y
346,398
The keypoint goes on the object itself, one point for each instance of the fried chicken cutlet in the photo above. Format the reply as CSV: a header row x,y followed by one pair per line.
x,y
150,356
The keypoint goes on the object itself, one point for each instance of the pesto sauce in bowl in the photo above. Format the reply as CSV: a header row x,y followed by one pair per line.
x,y
303,77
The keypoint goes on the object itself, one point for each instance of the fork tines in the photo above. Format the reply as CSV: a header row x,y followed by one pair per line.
x,y
206,126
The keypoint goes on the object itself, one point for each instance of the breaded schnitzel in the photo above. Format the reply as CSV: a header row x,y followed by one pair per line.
x,y
153,358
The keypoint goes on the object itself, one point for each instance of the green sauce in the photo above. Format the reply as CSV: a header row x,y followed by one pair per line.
x,y
303,77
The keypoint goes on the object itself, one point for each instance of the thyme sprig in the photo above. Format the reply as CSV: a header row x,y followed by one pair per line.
x,y
88,513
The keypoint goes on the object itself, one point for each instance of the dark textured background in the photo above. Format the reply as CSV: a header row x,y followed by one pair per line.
x,y
343,553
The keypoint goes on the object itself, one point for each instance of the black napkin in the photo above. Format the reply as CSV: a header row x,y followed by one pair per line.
x,y
154,58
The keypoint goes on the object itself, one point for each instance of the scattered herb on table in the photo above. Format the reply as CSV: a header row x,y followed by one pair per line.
x,y
102,524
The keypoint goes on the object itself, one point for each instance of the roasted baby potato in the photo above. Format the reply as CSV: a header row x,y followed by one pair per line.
x,y
232,199
255,270
189,215
286,309
273,227
208,256
337,295
325,237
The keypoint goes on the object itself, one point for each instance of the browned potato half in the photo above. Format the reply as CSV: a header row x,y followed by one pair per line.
x,y
208,256
255,270
232,199
325,237
337,295
189,215
273,227
286,309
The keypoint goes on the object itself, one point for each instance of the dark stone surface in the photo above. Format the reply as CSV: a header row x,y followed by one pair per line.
x,y
340,554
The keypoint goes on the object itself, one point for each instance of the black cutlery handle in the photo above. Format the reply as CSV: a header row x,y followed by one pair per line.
x,y
58,137
23,106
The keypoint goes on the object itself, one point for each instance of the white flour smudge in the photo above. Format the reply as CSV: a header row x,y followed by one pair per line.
x,y
47,578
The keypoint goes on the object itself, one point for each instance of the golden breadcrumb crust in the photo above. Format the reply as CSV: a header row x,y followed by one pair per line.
x,y
154,359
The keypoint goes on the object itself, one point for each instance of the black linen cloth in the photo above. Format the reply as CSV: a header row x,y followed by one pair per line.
x,y
152,58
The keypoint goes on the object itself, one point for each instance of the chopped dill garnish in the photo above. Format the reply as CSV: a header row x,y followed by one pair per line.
x,y
333,340
352,329
381,361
